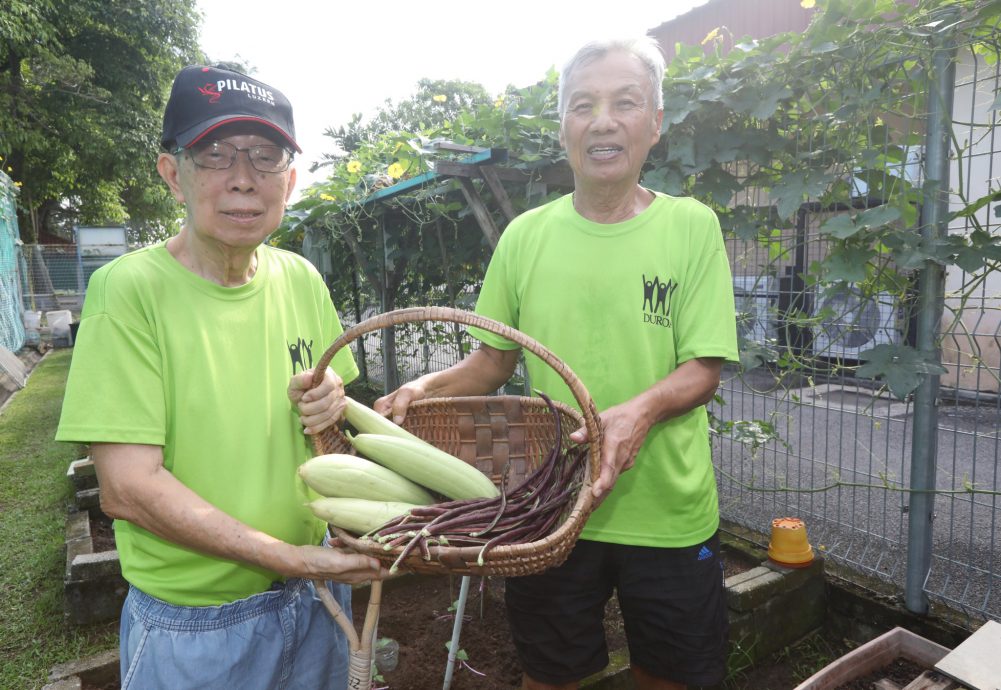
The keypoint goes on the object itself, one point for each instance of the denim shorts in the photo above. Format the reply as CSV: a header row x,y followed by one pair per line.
x,y
282,638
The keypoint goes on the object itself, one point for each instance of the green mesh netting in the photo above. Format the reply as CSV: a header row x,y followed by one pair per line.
x,y
11,327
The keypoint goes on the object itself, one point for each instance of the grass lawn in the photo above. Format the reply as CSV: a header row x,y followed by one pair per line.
x,y
35,495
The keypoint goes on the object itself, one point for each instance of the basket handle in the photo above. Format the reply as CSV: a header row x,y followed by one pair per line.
x,y
447,314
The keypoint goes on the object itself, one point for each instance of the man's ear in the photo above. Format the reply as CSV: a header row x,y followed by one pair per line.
x,y
167,165
291,184
658,122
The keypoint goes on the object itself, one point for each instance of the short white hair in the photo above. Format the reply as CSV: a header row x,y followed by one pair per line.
x,y
645,49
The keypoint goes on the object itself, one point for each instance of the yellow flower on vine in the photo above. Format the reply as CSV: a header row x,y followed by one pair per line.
x,y
712,35
395,171
10,169
327,197
354,166
808,4
499,103
438,98
17,184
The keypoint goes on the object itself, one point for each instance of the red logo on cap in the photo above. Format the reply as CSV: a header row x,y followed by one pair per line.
x,y
210,90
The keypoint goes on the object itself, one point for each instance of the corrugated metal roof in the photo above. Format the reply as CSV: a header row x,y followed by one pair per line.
x,y
741,19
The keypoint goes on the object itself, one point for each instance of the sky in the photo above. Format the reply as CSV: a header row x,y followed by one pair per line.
x,y
333,58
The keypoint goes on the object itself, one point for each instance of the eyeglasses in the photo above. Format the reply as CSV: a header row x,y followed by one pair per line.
x,y
220,155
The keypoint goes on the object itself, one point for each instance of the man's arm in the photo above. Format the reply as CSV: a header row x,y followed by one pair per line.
x,y
135,486
482,372
625,426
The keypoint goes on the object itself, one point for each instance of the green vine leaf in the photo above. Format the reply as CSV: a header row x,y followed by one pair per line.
x,y
682,151
768,101
910,250
827,47
901,366
666,179
970,210
742,222
718,184
878,216
845,225
677,113
797,186
970,260
754,355
841,227
847,264
983,247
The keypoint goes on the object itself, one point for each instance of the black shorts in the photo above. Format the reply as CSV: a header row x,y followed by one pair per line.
x,y
673,605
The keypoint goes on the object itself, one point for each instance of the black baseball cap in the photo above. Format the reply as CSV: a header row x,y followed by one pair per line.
x,y
205,98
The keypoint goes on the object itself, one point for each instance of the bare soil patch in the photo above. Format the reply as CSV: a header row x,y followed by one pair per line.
x,y
416,613
102,533
900,671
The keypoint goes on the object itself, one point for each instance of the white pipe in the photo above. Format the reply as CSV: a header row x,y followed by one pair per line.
x,y
453,648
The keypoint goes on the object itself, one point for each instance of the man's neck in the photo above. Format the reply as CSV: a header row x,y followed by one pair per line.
x,y
226,266
608,205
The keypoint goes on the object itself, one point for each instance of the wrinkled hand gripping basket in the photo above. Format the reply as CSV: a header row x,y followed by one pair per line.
x,y
487,432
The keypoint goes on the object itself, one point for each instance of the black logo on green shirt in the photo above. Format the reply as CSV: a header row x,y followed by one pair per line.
x,y
657,297
296,352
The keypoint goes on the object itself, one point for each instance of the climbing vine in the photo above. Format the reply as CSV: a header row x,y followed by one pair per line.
x,y
826,121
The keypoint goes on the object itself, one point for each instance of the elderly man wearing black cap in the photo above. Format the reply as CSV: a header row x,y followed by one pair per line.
x,y
190,380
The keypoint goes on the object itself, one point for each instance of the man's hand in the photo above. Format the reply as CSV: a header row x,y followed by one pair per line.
x,y
396,403
325,563
624,428
320,407
626,425
481,373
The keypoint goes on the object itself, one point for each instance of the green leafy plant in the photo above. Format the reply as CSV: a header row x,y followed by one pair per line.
x,y
463,658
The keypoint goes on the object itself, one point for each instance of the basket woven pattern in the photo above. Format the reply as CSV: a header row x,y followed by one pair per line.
x,y
488,432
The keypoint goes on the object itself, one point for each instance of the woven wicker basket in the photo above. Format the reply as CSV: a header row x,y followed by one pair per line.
x,y
487,432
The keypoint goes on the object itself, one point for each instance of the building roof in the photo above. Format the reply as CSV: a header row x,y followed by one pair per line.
x,y
740,18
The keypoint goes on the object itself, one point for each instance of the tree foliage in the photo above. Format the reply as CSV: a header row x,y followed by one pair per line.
x,y
434,104
82,89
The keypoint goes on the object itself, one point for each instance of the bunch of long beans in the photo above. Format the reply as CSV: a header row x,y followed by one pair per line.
x,y
527,513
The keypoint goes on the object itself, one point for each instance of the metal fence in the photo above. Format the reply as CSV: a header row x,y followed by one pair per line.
x,y
821,443
816,440
423,347
53,276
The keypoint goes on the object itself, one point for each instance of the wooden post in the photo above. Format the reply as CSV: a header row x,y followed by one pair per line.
x,y
480,211
489,174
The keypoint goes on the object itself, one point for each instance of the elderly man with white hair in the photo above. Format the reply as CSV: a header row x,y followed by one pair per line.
x,y
632,289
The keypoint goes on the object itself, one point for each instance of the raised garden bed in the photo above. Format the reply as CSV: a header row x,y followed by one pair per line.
x,y
93,586
898,656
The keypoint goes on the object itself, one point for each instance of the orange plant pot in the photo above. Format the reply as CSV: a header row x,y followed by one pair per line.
x,y
788,546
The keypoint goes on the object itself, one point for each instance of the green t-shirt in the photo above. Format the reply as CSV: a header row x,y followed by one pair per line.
x,y
623,305
167,358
